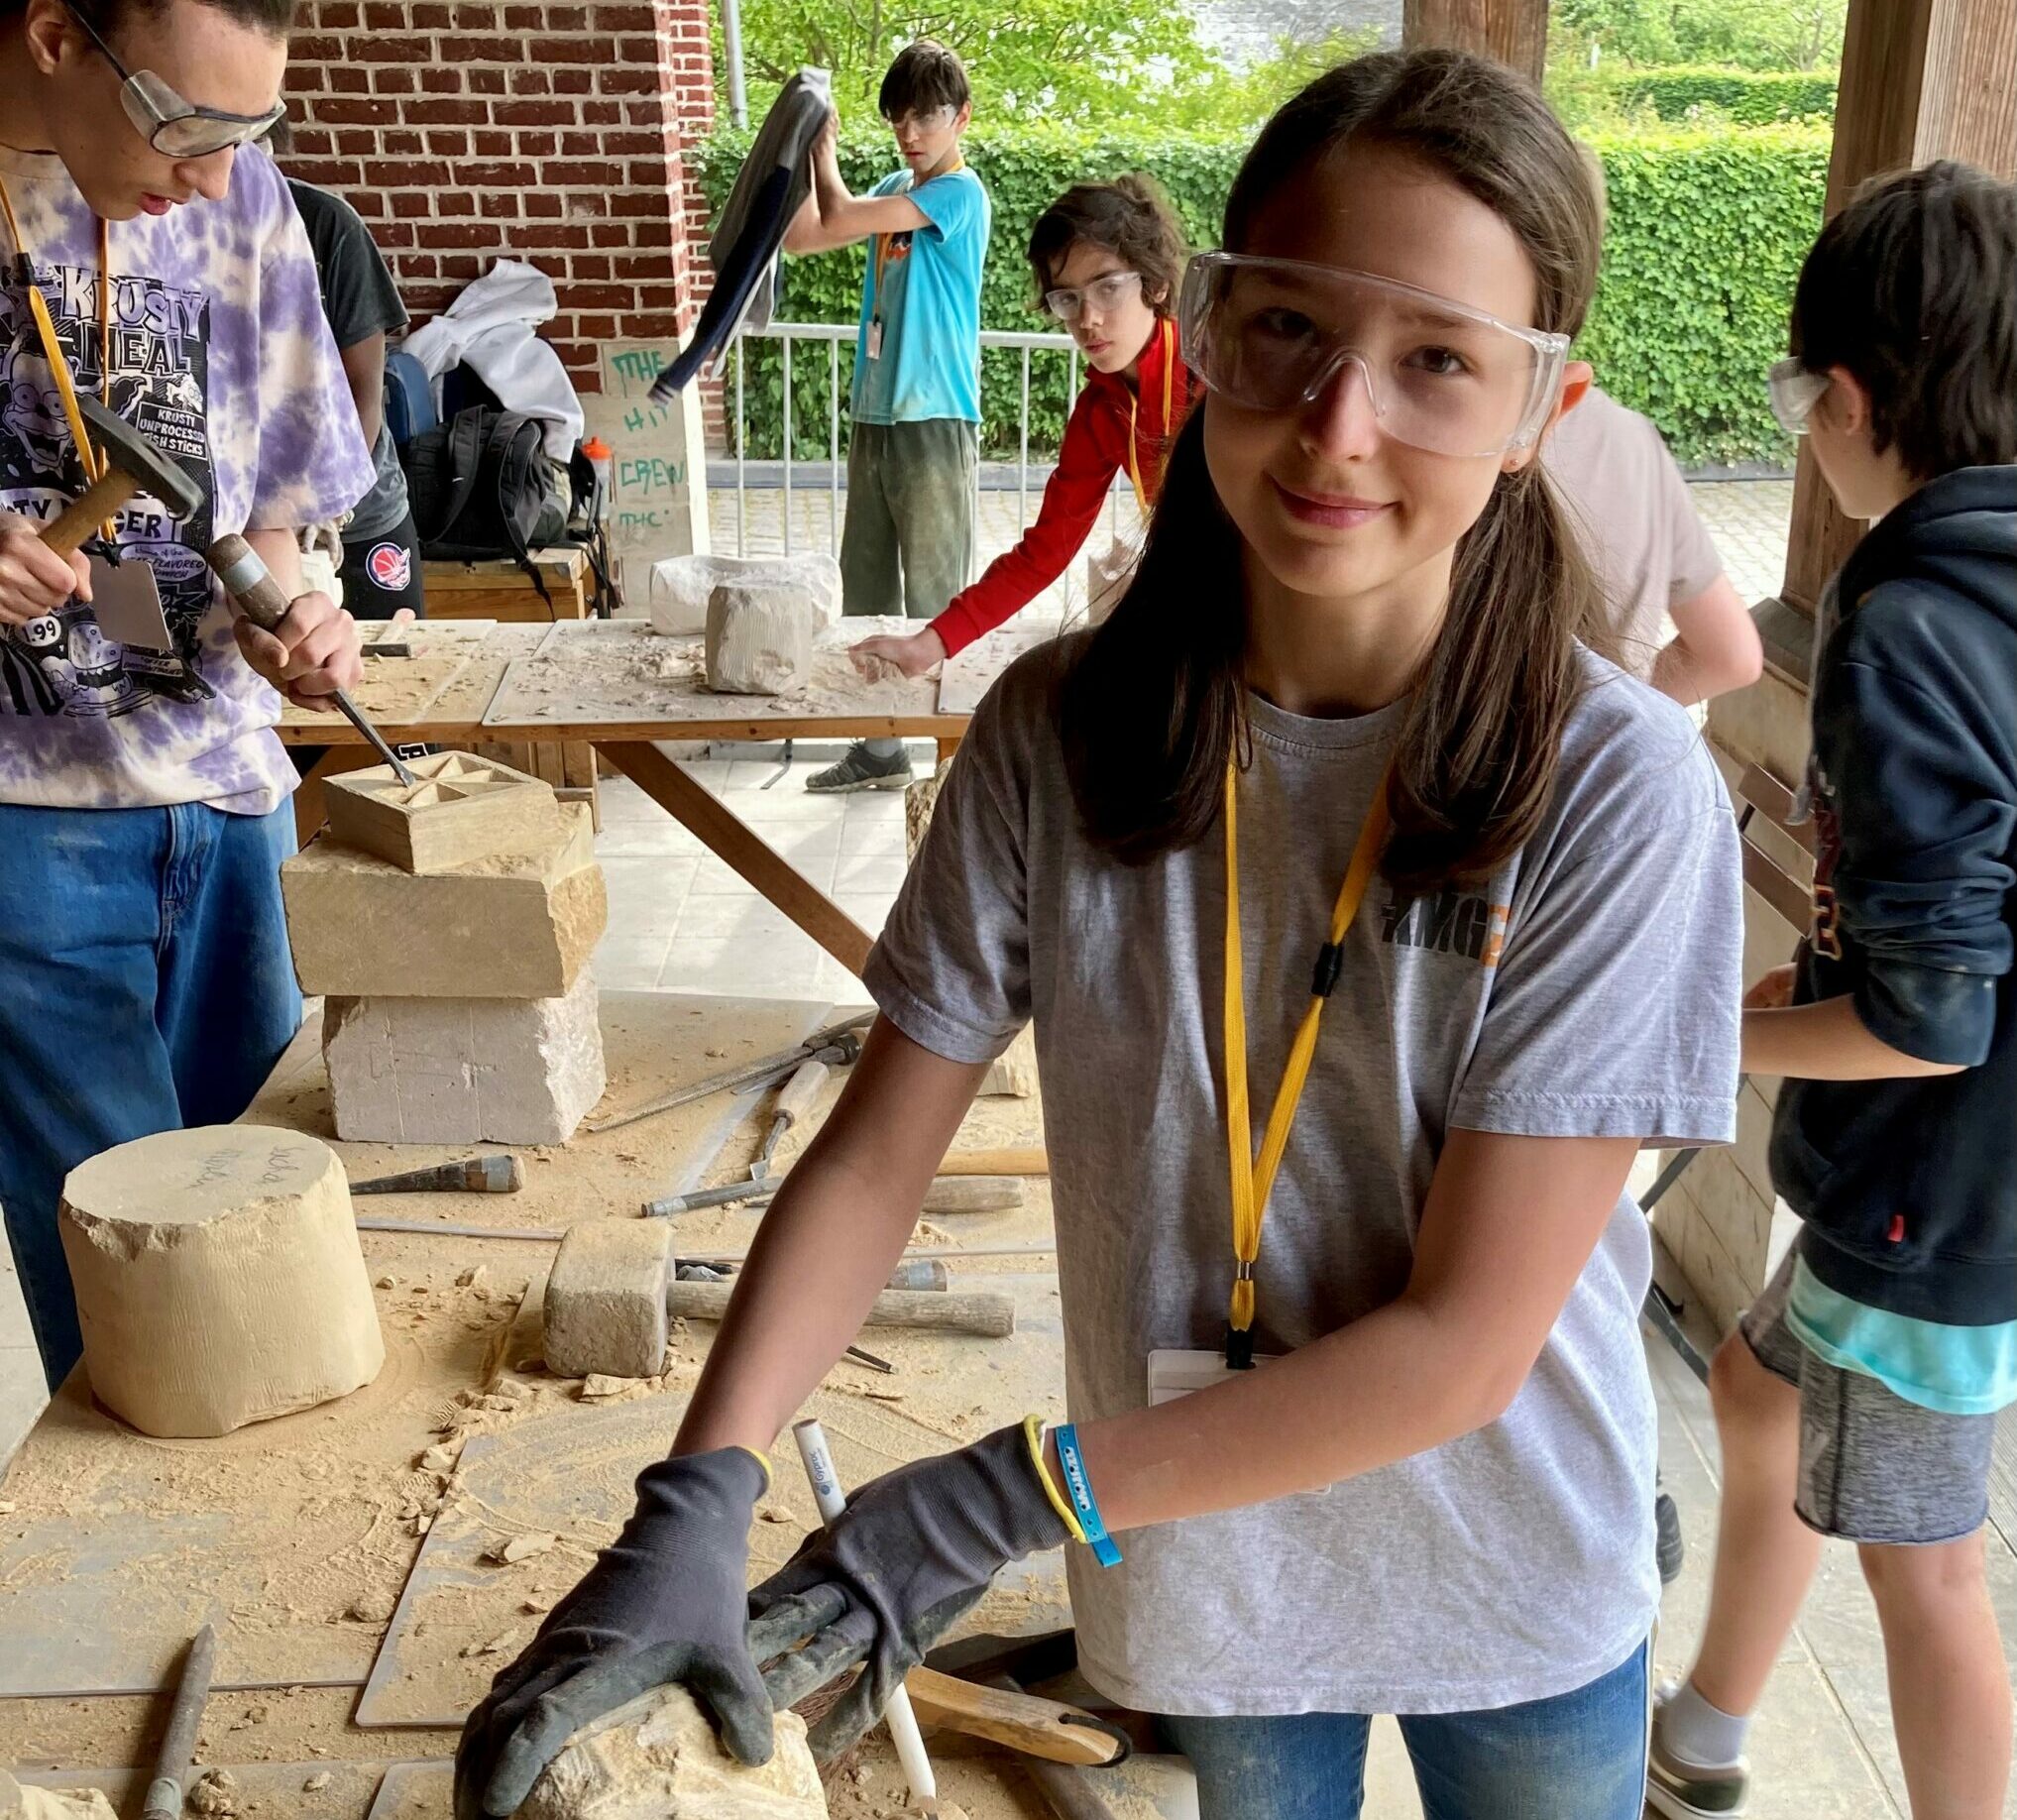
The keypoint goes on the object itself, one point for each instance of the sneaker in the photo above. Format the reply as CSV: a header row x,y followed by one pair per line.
x,y
1683,1790
862,769
1669,1551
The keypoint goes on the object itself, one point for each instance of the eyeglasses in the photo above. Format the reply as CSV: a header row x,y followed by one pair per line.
x,y
1103,294
1795,392
925,120
171,125
1274,334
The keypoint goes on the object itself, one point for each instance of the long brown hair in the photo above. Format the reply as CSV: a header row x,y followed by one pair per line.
x,y
1131,218
1153,704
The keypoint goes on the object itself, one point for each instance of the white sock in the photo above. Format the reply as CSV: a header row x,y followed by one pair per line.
x,y
1699,1734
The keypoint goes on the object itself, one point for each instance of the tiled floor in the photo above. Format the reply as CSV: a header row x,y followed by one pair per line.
x,y
681,920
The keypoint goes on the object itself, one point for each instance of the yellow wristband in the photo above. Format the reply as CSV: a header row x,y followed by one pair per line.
x,y
1033,1432
764,1459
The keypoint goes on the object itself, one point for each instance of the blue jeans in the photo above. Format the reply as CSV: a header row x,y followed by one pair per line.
x,y
1580,1756
144,984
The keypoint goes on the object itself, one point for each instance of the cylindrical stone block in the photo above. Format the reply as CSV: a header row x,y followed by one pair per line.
x,y
218,1278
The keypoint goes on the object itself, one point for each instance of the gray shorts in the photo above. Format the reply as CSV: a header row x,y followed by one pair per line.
x,y
1873,1468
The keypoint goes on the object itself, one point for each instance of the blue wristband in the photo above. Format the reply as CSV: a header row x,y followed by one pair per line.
x,y
1079,1488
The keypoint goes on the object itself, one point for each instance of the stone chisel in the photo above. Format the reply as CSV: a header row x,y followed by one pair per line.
x,y
493,1175
178,1741
250,583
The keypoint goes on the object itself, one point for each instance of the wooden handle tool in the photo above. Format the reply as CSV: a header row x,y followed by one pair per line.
x,y
1048,1729
250,583
986,1312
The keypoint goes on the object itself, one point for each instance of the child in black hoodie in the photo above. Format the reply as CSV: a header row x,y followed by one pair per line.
x,y
1860,1399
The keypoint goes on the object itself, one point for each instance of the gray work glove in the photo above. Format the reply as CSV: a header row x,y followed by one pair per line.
x,y
665,1602
912,1552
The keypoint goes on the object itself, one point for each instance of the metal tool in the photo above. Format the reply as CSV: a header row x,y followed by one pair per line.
x,y
794,1100
947,1194
837,1046
897,1714
493,1175
132,466
250,583
172,1767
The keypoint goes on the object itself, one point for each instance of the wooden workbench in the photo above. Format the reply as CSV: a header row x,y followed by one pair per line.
x,y
470,660
296,1537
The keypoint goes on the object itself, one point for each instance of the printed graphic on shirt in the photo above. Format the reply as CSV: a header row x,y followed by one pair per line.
x,y
1825,935
1449,923
390,565
64,664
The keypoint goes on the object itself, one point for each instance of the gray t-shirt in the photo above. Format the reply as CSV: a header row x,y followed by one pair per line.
x,y
1631,506
1591,989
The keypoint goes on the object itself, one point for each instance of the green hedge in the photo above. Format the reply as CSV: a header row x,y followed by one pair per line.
x,y
1706,234
1742,97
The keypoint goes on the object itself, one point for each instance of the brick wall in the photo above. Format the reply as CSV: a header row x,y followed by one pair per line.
x,y
465,132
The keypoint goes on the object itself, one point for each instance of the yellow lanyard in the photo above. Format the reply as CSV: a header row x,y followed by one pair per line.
x,y
1164,335
882,239
1253,1178
52,347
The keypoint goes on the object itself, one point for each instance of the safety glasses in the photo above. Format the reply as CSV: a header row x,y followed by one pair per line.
x,y
1103,294
1795,392
175,127
1274,334
925,120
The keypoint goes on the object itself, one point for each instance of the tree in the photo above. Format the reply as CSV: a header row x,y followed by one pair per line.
x,y
1069,61
1750,34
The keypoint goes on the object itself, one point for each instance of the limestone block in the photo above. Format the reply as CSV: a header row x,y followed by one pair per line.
x,y
25,1801
464,1070
682,585
1012,1074
518,923
605,1299
463,807
658,1759
218,1278
759,638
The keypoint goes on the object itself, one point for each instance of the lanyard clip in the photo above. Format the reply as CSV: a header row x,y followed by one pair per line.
x,y
1239,1348
1330,963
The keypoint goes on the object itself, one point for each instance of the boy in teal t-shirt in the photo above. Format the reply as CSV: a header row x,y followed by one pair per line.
x,y
916,402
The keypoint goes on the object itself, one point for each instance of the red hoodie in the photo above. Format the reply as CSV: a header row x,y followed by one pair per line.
x,y
1097,448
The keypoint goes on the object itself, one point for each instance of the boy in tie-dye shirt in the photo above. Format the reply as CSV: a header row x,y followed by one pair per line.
x,y
144,980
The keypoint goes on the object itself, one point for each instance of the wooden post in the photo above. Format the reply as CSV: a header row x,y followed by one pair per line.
x,y
1921,79
1515,32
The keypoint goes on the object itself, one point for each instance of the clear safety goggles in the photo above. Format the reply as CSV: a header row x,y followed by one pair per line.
x,y
1067,304
1274,334
176,128
1795,393
924,120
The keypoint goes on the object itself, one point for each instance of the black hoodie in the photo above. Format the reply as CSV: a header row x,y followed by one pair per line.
x,y
1909,1186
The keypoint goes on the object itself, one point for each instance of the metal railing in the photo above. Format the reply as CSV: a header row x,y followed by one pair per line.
x,y
790,471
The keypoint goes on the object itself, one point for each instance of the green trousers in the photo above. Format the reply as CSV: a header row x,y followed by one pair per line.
x,y
908,541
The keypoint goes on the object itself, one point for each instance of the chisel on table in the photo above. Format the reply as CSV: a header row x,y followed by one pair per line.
x,y
897,1714
250,583
178,1741
794,1100
491,1174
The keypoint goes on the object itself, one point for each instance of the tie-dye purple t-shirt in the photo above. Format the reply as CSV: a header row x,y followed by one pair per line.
x,y
221,357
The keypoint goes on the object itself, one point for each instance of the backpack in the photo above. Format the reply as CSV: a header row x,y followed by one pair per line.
x,y
409,398
480,487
